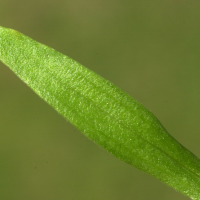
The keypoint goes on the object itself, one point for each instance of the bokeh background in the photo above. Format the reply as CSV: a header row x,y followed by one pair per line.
x,y
150,49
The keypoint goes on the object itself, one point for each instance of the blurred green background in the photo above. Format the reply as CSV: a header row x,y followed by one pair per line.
x,y
150,49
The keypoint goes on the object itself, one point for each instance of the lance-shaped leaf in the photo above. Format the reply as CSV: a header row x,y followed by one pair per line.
x,y
102,111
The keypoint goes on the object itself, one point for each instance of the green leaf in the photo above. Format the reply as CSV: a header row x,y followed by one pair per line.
x,y
102,111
